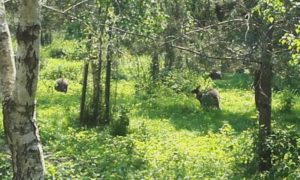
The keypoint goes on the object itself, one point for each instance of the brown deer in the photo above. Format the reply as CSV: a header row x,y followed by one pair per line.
x,y
208,99
61,85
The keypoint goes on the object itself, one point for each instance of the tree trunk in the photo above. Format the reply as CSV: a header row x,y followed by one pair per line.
x,y
7,63
155,66
97,89
97,79
170,57
83,119
264,99
19,103
46,37
108,78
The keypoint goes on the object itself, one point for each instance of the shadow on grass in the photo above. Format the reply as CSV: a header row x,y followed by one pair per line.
x,y
287,118
192,117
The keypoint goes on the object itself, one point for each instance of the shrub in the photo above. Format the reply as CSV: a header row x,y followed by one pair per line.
x,y
120,123
287,100
60,48
185,81
285,152
68,69
5,168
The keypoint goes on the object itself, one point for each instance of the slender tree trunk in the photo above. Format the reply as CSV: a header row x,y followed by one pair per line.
x,y
170,57
43,38
264,99
7,63
155,66
97,79
108,78
97,89
19,103
256,84
83,119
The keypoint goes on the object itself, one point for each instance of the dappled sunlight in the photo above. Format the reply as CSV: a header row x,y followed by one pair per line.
x,y
170,134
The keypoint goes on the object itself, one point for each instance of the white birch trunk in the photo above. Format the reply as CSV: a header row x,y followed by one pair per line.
x,y
19,100
7,64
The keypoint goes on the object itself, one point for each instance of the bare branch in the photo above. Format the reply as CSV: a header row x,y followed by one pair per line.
x,y
214,25
243,57
102,24
205,29
58,11
132,33
75,5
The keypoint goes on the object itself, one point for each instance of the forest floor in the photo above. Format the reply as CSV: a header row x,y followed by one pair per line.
x,y
170,135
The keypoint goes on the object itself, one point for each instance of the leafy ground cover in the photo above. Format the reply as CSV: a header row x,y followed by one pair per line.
x,y
170,136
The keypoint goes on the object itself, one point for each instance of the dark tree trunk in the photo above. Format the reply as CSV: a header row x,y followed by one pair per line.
x,y
83,119
264,98
155,66
108,78
46,37
256,84
170,57
97,89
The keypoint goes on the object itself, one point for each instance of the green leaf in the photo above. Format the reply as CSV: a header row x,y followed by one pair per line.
x,y
271,19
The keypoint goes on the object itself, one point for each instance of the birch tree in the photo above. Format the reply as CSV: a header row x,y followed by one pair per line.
x,y
19,83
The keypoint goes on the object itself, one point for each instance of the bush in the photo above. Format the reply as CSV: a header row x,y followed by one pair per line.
x,y
287,100
5,167
184,81
289,76
60,48
57,68
120,123
285,152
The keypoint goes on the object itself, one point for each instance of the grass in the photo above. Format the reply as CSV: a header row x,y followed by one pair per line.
x,y
170,136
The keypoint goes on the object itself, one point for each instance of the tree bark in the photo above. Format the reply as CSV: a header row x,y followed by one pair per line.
x,y
264,98
97,89
7,63
19,103
155,66
108,78
169,57
82,117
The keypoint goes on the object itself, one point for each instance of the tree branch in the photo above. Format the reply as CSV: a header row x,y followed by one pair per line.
x,y
243,58
102,24
204,29
75,5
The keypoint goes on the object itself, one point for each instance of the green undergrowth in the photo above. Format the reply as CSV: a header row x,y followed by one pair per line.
x,y
170,136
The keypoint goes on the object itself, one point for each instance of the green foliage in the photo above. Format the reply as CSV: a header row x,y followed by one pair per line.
x,y
235,81
287,78
93,154
56,68
293,44
185,81
61,48
5,168
120,122
285,149
169,136
287,100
